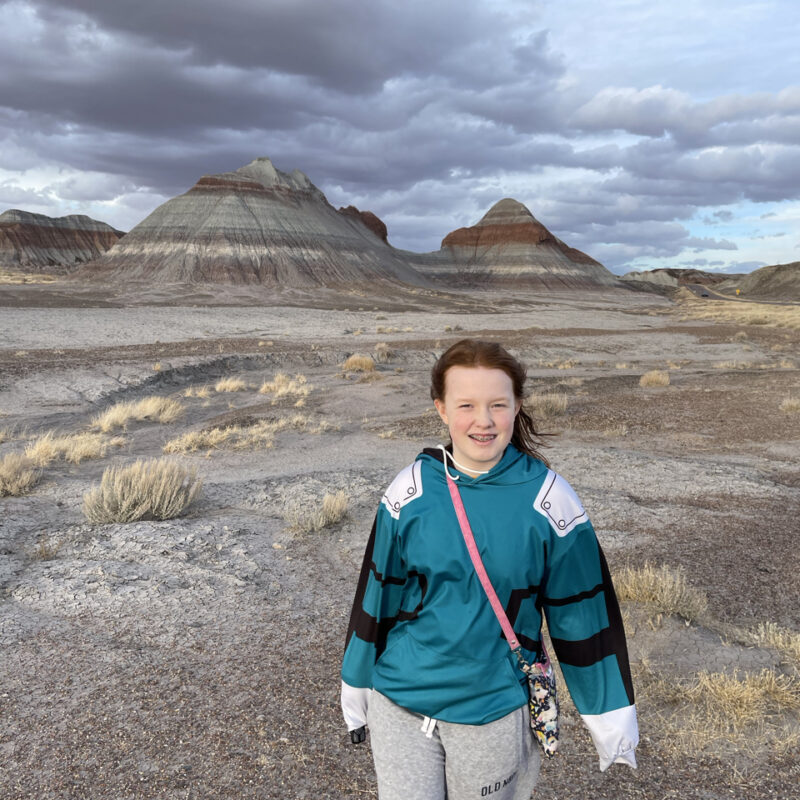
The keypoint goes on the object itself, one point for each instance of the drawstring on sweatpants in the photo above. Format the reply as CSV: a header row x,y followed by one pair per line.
x,y
428,726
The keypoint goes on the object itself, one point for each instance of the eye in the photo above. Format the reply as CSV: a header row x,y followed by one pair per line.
x,y
465,405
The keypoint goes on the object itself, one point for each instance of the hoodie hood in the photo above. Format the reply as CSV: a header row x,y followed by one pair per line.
x,y
514,467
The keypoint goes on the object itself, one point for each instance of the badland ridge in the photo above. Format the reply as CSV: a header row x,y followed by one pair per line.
x,y
38,243
259,225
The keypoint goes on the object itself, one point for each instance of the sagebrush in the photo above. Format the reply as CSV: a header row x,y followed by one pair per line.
x,y
331,510
146,489
18,474
359,363
156,409
656,377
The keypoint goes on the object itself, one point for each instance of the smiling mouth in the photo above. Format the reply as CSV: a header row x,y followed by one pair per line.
x,y
483,437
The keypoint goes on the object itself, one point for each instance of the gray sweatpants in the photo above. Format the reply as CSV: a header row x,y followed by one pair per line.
x,y
499,760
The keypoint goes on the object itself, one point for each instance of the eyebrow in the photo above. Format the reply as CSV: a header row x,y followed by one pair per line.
x,y
471,399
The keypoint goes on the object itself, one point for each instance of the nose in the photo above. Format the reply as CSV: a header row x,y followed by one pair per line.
x,y
483,417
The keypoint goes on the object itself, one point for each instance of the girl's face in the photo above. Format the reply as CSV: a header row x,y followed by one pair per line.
x,y
478,408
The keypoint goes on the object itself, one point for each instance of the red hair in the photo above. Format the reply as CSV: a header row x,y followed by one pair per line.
x,y
480,353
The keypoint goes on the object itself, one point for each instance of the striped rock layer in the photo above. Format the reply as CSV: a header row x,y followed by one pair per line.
x,y
38,243
775,282
257,225
510,247
672,276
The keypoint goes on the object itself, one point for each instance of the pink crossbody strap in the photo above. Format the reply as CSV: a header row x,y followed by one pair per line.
x,y
469,540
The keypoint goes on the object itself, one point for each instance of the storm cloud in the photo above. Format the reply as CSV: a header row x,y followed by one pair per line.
x,y
421,113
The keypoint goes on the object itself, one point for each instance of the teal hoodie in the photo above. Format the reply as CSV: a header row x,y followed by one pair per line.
x,y
422,631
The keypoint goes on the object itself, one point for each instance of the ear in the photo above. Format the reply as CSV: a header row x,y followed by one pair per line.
x,y
517,406
440,408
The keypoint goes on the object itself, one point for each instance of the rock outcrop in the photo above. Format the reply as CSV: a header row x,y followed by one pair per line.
x,y
38,243
257,225
373,222
776,282
670,276
510,247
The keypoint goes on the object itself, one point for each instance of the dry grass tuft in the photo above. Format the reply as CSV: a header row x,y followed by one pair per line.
x,y
332,510
656,377
547,406
790,405
230,385
382,352
663,588
768,634
740,313
8,276
568,363
45,549
4,435
622,365
732,365
74,447
18,474
284,386
203,392
736,704
717,711
154,489
230,437
259,436
369,377
156,409
359,363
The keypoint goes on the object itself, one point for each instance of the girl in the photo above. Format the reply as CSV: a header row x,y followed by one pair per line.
x,y
426,666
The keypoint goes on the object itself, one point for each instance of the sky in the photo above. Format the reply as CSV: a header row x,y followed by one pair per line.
x,y
645,134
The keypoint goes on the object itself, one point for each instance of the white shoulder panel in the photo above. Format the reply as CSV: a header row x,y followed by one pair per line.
x,y
558,502
407,486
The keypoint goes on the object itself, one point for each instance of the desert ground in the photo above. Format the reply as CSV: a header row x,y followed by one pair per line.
x,y
198,657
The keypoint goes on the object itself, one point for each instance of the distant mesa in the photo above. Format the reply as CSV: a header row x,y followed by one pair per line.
x,y
38,243
257,225
672,276
510,247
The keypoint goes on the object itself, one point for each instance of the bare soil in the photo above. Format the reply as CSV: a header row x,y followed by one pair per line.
x,y
199,657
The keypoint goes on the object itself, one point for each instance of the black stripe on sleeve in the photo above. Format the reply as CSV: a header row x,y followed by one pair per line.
x,y
574,598
512,612
617,629
364,625
585,652
607,642
371,629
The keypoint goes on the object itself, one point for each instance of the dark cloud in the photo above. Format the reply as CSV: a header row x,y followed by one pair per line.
x,y
425,112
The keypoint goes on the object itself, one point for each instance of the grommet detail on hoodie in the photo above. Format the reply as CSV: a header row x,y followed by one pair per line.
x,y
558,502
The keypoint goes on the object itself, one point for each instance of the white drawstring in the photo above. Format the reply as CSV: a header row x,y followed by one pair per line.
x,y
445,456
459,466
428,726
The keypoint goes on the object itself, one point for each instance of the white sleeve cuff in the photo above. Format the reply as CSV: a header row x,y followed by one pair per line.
x,y
615,735
628,758
355,702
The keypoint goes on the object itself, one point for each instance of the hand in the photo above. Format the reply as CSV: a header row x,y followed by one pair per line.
x,y
358,735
